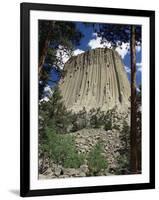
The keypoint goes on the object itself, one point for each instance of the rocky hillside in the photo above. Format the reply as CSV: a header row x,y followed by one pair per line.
x,y
85,128
110,159
95,79
85,141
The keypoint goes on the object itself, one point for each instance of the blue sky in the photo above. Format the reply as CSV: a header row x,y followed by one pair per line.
x,y
89,36
90,40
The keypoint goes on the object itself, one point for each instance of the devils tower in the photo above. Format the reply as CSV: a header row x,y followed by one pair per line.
x,y
95,79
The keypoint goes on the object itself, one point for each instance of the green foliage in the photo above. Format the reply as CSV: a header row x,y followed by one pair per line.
x,y
74,160
58,33
108,120
96,160
95,123
125,136
116,34
60,37
115,126
54,122
62,149
139,126
123,164
108,125
124,157
55,114
79,120
97,118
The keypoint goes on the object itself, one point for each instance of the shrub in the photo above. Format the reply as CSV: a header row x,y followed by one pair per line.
x,y
79,123
54,112
97,118
125,136
62,150
115,126
108,120
94,121
74,160
96,160
124,157
123,165
108,125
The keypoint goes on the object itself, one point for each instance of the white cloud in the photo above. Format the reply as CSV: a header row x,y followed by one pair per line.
x,y
123,49
44,99
139,67
138,48
63,56
139,64
77,51
96,42
47,93
127,69
138,89
94,34
47,89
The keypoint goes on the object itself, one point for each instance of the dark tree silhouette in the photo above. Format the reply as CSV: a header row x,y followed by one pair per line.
x,y
54,36
139,114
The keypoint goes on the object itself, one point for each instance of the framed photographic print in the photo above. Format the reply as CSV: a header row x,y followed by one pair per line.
x,y
87,99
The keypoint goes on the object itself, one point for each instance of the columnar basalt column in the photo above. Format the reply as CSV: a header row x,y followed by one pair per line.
x,y
95,79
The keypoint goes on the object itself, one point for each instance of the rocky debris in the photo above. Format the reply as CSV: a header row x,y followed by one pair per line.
x,y
42,176
48,171
97,91
82,174
70,171
85,140
43,165
84,169
60,172
96,118
57,171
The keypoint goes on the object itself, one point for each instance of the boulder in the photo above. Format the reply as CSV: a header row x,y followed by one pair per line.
x,y
84,168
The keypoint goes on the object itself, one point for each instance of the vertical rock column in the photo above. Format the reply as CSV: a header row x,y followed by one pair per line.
x,y
95,79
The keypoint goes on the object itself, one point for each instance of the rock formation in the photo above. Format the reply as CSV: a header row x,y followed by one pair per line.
x,y
95,79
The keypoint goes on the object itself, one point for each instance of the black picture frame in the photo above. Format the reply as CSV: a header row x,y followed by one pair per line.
x,y
25,190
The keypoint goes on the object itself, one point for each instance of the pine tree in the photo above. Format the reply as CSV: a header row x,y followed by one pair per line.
x,y
116,35
56,38
139,126
54,35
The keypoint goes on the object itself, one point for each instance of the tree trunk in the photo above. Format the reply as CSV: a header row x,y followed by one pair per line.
x,y
44,50
133,131
43,54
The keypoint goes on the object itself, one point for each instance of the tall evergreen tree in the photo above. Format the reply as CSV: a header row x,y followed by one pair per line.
x,y
54,35
55,39
131,34
139,127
